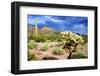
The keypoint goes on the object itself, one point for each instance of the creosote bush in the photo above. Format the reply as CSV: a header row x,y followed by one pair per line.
x,y
58,51
32,45
78,56
45,47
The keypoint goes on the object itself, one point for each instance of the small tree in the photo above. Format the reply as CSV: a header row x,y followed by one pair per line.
x,y
70,41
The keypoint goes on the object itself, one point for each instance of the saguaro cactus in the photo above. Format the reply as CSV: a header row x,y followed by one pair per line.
x,y
36,30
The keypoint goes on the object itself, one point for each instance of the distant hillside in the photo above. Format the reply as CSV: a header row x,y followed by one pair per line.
x,y
31,28
47,30
43,30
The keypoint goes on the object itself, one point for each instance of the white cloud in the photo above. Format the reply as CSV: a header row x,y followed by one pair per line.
x,y
80,28
44,19
50,18
30,21
40,20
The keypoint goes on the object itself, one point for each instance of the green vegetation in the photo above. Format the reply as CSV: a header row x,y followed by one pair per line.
x,y
32,45
55,37
43,38
45,48
78,56
85,38
38,38
58,51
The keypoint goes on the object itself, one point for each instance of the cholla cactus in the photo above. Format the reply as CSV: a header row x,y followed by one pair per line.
x,y
67,37
70,41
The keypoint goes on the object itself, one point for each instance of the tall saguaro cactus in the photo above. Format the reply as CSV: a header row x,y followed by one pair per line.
x,y
36,30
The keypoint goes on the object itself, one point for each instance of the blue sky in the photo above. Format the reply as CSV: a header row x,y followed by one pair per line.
x,y
61,23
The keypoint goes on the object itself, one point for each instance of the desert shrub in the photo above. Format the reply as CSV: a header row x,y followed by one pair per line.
x,y
57,33
54,37
45,47
32,45
31,36
52,46
85,38
31,57
39,38
78,56
58,51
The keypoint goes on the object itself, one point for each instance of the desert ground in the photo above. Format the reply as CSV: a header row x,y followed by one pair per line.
x,y
39,54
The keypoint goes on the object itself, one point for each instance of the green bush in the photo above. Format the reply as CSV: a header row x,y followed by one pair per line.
x,y
39,38
54,37
45,47
58,51
78,56
85,38
32,45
